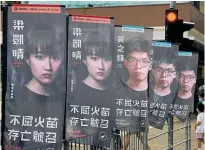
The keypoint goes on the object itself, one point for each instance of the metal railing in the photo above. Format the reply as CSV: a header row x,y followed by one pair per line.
x,y
170,135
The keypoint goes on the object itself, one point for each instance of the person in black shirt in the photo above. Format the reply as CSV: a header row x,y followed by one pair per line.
x,y
40,100
137,63
161,94
93,93
186,79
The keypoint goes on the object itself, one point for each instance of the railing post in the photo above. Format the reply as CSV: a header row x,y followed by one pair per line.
x,y
187,134
65,145
145,138
170,132
189,131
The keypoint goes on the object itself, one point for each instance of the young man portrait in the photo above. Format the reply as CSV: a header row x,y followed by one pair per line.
x,y
162,83
187,69
137,64
186,77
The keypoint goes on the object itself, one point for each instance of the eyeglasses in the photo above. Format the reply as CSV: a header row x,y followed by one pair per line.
x,y
133,62
188,78
168,72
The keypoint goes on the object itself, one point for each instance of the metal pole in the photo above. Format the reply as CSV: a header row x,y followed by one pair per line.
x,y
65,145
189,131
172,4
170,132
145,138
187,134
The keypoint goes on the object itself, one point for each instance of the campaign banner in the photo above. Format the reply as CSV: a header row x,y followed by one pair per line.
x,y
187,65
35,47
162,82
133,62
90,107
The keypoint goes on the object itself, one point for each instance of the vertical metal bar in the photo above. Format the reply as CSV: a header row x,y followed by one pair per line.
x,y
75,145
189,131
187,134
129,141
135,141
87,140
170,132
65,145
145,138
139,143
79,143
124,138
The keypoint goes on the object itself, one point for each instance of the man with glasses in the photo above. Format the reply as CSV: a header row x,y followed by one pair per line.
x,y
187,70
161,93
137,60
187,80
164,74
137,63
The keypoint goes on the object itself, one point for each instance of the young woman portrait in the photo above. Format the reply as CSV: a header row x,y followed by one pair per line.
x,y
97,57
44,59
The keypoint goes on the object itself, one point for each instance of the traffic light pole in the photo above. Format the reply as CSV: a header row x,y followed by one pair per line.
x,y
170,117
172,4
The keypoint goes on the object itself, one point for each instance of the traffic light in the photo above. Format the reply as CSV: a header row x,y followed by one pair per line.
x,y
172,26
175,27
171,16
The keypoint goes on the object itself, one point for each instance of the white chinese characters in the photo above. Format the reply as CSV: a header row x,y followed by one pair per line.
x,y
18,39
120,50
30,122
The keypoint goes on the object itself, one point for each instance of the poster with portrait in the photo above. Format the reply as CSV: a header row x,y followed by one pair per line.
x,y
34,103
187,65
133,62
162,82
89,111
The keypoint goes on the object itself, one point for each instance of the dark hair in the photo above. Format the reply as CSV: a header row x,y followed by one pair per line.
x,y
201,91
187,63
200,107
42,38
164,55
98,44
138,44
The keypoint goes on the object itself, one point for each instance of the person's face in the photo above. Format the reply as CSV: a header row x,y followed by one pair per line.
x,y
137,64
164,75
99,68
44,68
187,79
